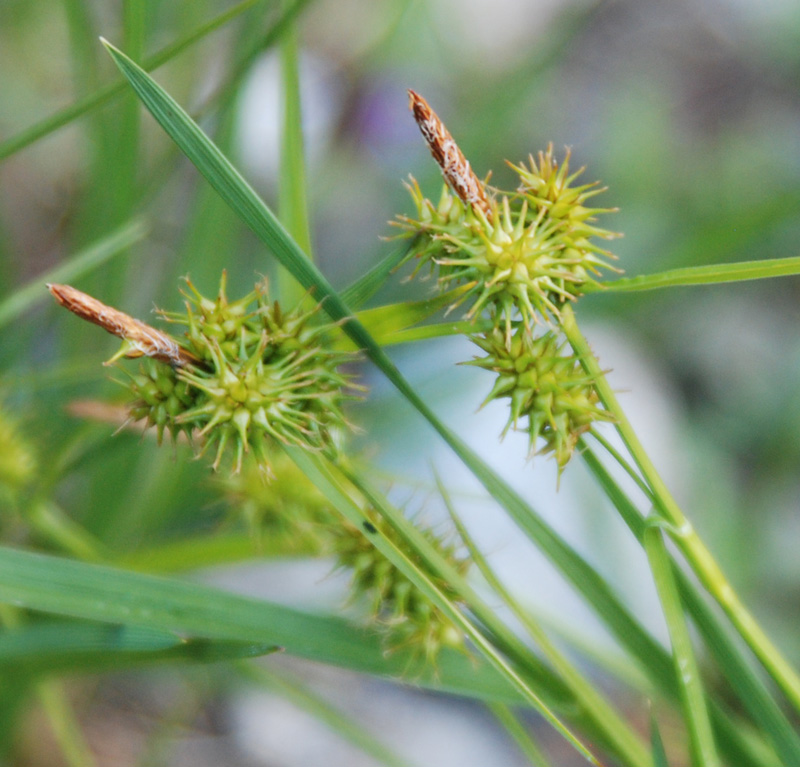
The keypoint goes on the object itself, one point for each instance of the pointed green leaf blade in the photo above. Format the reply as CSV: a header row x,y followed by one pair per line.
x,y
105,594
714,274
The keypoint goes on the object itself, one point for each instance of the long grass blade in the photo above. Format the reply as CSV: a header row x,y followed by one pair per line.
x,y
368,284
292,191
659,754
94,592
48,647
715,274
702,747
624,741
751,691
327,483
683,534
390,319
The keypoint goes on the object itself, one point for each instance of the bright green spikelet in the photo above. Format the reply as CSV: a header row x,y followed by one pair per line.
x,y
531,253
544,385
407,615
261,375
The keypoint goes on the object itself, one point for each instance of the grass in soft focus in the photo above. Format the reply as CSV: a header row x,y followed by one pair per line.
x,y
692,125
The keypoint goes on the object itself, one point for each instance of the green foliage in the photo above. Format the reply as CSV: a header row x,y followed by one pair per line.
x,y
87,520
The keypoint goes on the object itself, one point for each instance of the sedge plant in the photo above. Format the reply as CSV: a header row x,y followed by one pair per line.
x,y
264,389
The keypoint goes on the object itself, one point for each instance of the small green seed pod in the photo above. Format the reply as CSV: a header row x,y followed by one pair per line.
x,y
545,384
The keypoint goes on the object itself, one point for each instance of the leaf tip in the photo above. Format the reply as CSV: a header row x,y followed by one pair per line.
x,y
107,45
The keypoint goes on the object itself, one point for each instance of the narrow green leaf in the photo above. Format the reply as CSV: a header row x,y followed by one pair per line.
x,y
292,193
715,274
682,532
659,755
100,593
618,734
54,646
65,724
333,490
436,330
385,321
695,713
76,266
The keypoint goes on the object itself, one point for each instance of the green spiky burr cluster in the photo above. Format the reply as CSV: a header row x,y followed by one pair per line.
x,y
522,256
291,516
258,373
530,254
407,614
545,384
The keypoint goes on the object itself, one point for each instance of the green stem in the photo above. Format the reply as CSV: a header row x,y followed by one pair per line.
x,y
687,673
621,737
50,521
681,530
65,725
722,646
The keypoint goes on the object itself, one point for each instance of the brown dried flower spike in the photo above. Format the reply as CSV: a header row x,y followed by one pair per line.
x,y
141,340
455,167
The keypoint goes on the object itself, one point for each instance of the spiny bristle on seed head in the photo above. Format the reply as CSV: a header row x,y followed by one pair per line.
x,y
455,167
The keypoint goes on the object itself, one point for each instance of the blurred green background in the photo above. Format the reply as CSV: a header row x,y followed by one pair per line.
x,y
689,112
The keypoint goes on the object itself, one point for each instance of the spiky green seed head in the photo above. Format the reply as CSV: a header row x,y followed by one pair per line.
x,y
262,375
533,251
550,394
406,613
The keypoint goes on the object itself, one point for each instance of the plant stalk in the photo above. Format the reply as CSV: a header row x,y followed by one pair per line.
x,y
681,530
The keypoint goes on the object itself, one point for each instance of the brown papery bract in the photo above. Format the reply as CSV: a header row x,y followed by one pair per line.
x,y
455,167
143,340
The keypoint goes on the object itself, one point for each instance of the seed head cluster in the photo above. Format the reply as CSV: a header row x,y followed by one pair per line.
x,y
245,373
406,613
546,387
296,518
521,256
